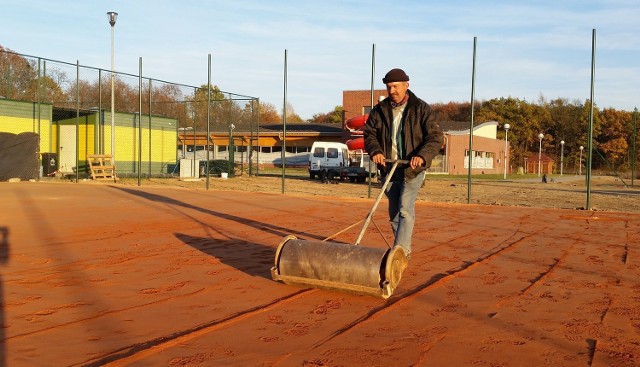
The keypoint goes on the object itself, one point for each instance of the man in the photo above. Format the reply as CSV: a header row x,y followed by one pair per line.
x,y
402,126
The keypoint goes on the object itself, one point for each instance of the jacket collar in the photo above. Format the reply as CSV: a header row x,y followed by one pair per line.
x,y
411,99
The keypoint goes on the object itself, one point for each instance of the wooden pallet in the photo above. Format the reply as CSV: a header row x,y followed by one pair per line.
x,y
102,167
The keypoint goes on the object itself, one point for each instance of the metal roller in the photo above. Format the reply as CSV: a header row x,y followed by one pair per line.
x,y
341,266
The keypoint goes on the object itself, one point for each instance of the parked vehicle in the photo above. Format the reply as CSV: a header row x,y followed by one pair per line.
x,y
332,160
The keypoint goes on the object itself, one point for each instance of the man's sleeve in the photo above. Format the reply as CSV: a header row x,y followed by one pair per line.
x,y
433,138
371,130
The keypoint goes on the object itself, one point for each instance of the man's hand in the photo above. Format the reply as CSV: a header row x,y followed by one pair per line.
x,y
416,161
378,159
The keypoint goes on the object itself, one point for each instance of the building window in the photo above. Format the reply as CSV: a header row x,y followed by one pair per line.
x,y
481,160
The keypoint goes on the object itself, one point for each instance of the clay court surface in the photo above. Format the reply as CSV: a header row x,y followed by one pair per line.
x,y
120,275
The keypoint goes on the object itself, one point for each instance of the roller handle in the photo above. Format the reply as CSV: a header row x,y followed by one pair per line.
x,y
375,205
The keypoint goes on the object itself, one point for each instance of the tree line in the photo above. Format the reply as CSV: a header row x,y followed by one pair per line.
x,y
22,78
558,120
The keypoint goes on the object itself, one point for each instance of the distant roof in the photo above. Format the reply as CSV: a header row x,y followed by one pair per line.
x,y
533,157
463,126
302,128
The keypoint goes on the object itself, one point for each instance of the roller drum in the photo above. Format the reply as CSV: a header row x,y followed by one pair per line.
x,y
339,266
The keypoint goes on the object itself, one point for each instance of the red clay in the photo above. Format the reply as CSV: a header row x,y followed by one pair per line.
x,y
160,276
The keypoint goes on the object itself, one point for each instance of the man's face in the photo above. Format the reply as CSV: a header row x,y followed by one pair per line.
x,y
397,91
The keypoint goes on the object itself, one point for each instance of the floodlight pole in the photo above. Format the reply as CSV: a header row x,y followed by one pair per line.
x,y
540,136
580,162
112,21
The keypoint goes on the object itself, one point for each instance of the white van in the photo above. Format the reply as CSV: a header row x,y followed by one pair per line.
x,y
327,156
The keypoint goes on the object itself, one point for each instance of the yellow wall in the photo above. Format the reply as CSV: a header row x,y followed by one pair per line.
x,y
18,117
127,139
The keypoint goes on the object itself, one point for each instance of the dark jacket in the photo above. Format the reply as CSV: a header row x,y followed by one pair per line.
x,y
422,135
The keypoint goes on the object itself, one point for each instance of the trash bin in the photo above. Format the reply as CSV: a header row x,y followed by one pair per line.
x,y
49,164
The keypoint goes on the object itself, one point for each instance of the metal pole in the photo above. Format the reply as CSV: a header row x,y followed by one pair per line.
x,y
100,114
590,130
633,161
506,148
373,73
195,170
150,130
251,145
39,93
284,120
77,119
112,21
208,117
139,120
561,156
258,138
232,147
473,92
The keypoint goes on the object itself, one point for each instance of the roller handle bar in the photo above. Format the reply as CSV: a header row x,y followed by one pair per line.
x,y
384,186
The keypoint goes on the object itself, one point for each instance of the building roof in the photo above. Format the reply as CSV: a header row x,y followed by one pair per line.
x,y
462,127
303,128
533,157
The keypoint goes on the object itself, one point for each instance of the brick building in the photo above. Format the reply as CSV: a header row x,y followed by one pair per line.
x,y
358,102
488,152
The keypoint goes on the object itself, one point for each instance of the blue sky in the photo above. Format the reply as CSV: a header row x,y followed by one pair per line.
x,y
524,49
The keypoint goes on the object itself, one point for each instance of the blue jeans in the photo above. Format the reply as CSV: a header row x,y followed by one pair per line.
x,y
402,198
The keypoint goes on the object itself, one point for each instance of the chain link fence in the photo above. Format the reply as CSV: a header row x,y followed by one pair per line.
x,y
148,127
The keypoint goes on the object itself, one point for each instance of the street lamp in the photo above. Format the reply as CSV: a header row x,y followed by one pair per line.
x,y
540,136
580,162
561,155
506,151
112,21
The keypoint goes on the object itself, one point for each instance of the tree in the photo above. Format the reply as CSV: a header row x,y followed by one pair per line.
x,y
454,111
291,114
269,114
17,76
222,112
526,122
565,125
333,117
166,100
612,139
